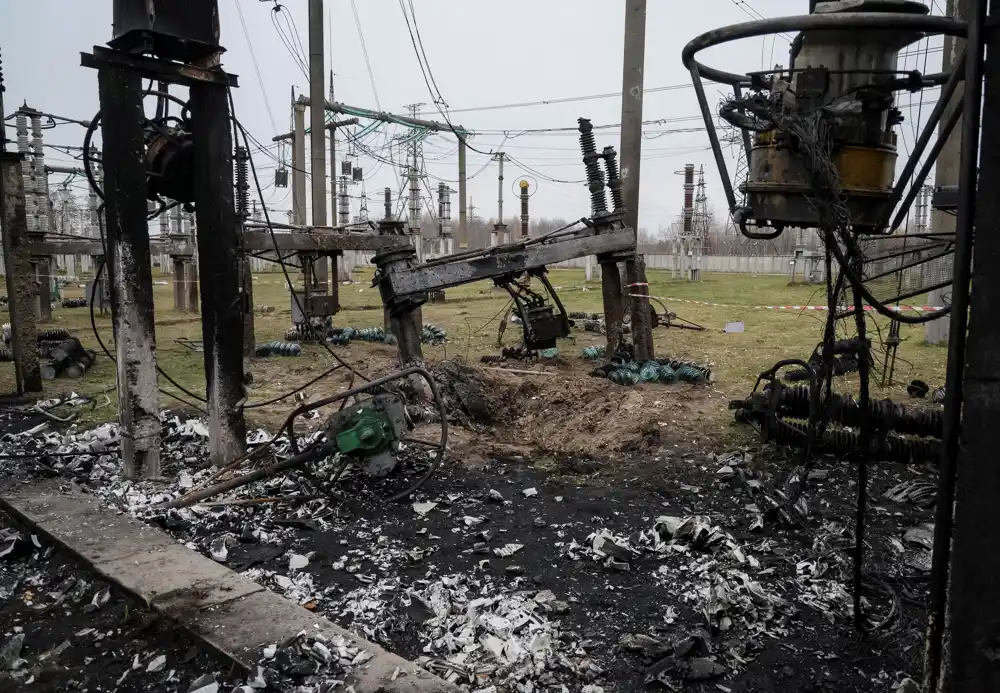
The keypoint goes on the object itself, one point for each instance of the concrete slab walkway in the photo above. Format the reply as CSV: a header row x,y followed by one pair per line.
x,y
228,612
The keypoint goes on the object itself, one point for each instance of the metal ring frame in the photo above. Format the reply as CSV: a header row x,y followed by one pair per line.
x,y
875,21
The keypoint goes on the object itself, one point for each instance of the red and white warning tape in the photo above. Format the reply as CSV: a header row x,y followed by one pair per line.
x,y
899,308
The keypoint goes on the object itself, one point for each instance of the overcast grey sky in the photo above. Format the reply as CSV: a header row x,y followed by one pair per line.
x,y
480,53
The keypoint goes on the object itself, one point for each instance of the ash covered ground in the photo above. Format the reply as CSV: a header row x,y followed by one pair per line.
x,y
654,563
63,629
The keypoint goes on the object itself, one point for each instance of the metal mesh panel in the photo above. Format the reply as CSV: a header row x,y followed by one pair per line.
x,y
903,268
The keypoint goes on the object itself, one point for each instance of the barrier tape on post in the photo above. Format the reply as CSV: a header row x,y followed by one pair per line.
x,y
899,308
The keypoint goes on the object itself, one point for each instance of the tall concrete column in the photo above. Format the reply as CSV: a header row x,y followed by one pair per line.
x,y
129,265
946,172
299,164
631,150
463,216
317,137
17,268
219,263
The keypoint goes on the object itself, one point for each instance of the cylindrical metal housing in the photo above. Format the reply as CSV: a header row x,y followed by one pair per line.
x,y
851,71
444,208
524,208
687,215
343,204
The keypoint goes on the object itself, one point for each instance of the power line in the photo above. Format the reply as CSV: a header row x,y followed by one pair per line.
x,y
435,93
288,43
256,67
569,99
364,51
420,41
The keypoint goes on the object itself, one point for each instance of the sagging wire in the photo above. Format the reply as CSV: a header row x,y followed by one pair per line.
x,y
425,69
316,450
274,240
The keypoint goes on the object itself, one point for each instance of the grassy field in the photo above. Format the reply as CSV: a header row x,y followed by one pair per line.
x,y
471,314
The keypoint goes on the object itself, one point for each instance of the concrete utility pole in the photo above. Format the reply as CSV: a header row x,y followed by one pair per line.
x,y
968,621
17,263
947,167
317,135
222,314
499,233
463,217
631,149
524,210
128,263
299,163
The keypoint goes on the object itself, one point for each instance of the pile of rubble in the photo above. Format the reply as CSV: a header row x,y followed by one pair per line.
x,y
459,589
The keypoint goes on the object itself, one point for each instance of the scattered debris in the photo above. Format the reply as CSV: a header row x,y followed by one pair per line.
x,y
478,587
424,508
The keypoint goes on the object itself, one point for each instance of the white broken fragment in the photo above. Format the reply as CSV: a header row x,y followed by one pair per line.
x,y
297,561
322,651
101,598
362,657
257,681
204,684
156,664
8,546
10,653
508,550
270,651
496,496
530,492
424,508
473,521
218,550
185,481
193,427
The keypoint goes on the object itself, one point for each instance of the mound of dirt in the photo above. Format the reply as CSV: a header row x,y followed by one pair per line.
x,y
570,412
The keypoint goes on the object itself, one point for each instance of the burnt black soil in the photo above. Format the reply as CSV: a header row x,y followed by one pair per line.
x,y
821,653
102,643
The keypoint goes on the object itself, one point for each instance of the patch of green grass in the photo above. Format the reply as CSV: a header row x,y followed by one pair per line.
x,y
471,316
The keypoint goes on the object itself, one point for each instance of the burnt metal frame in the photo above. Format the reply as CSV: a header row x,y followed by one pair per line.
x,y
217,227
399,283
404,286
930,25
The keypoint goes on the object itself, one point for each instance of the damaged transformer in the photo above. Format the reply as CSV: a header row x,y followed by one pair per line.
x,y
843,72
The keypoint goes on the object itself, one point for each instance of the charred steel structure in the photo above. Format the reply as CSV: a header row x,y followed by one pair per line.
x,y
822,130
404,285
187,157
